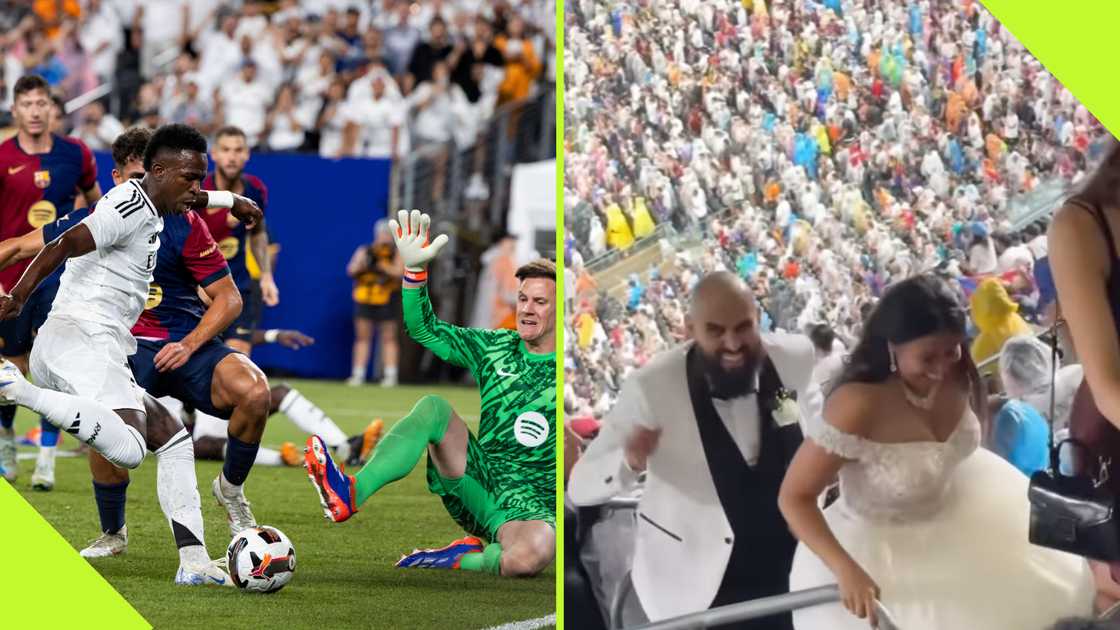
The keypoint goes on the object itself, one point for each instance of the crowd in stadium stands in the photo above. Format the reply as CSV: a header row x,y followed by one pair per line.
x,y
337,77
822,150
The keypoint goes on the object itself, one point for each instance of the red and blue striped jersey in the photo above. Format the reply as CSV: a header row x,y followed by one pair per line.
x,y
231,235
188,258
36,189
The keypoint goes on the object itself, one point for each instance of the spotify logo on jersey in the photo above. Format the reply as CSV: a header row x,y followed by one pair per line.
x,y
531,429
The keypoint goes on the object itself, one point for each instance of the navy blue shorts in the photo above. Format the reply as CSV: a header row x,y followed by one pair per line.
x,y
189,383
242,328
17,334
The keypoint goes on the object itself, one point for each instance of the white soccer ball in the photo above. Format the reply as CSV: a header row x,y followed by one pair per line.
x,y
261,559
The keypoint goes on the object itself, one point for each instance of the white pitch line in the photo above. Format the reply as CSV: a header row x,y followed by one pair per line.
x,y
528,624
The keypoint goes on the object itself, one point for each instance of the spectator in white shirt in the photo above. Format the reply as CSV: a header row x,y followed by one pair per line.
x,y
102,37
437,104
244,102
284,128
219,53
376,126
189,108
331,121
98,129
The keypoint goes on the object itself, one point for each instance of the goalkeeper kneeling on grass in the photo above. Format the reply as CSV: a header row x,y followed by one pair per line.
x,y
501,485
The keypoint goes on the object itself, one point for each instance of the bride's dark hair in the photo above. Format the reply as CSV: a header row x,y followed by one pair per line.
x,y
913,308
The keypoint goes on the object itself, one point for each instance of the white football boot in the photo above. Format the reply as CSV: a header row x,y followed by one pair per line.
x,y
209,574
8,454
43,477
232,498
107,545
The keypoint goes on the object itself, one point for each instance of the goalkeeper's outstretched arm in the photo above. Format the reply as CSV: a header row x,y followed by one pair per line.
x,y
454,344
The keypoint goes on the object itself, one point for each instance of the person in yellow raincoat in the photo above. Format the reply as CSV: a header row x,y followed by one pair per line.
x,y
997,317
585,327
643,220
619,235
820,132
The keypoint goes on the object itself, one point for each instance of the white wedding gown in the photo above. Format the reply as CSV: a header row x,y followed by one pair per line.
x,y
942,529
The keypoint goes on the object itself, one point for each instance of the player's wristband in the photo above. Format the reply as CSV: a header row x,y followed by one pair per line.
x,y
415,277
270,336
219,199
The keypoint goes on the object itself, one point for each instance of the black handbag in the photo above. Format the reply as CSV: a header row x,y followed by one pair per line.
x,y
1073,513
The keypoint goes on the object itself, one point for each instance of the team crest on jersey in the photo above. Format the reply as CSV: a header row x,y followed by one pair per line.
x,y
229,247
155,296
531,429
42,179
41,213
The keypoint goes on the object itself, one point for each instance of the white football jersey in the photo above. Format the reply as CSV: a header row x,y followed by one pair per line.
x,y
109,286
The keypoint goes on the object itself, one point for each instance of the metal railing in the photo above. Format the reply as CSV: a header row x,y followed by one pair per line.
x,y
746,611
612,256
437,176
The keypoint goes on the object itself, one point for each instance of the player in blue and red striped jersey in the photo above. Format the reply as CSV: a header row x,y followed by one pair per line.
x,y
41,176
230,153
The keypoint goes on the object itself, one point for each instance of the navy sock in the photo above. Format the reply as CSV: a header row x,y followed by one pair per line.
x,y
7,416
110,505
239,460
49,434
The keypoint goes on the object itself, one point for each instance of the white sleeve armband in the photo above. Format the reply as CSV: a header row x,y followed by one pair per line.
x,y
219,199
270,336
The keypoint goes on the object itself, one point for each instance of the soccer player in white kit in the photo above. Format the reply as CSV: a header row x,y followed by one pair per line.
x,y
80,358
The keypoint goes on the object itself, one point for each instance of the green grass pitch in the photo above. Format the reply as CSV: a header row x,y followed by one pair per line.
x,y
344,576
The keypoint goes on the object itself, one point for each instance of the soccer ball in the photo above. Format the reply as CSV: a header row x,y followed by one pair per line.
x,y
261,559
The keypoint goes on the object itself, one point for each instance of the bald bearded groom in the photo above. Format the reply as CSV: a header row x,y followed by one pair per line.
x,y
714,424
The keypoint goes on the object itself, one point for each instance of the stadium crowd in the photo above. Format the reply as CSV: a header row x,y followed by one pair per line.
x,y
335,77
820,150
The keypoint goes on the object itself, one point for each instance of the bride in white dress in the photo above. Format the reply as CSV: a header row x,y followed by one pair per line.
x,y
927,522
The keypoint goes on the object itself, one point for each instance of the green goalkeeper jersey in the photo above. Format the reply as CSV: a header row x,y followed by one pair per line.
x,y
517,428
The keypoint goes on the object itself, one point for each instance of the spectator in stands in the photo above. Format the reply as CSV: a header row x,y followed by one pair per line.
x,y
332,120
1020,432
376,126
98,129
427,54
828,354
522,62
243,102
1086,264
377,271
997,318
284,128
189,108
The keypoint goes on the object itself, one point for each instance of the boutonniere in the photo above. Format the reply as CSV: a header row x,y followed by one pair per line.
x,y
784,408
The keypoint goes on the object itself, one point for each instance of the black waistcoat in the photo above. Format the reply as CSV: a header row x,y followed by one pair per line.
x,y
762,547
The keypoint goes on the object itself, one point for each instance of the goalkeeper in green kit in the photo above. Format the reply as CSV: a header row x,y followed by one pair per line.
x,y
501,486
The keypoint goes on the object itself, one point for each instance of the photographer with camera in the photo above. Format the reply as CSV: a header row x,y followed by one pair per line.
x,y
376,269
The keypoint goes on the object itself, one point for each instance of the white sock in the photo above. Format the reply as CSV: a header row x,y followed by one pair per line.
x,y
177,488
391,373
174,405
46,455
268,457
358,372
89,421
311,419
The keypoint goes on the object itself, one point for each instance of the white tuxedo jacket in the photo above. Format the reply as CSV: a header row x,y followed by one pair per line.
x,y
684,539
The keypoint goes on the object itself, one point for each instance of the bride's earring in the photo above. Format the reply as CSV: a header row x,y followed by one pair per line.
x,y
894,365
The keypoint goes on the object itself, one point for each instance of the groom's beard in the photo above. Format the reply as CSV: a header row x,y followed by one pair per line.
x,y
734,382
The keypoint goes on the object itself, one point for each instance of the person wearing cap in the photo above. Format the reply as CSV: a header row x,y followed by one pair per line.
x,y
982,257
377,270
